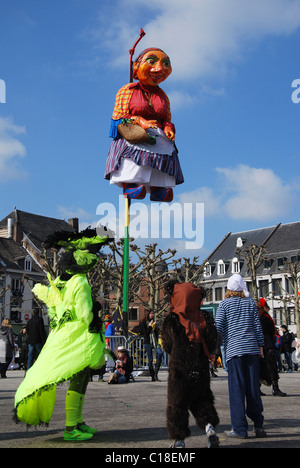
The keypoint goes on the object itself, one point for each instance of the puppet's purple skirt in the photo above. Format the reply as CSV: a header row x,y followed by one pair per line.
x,y
119,150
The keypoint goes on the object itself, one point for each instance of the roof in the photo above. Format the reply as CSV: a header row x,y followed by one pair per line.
x,y
36,227
285,239
282,240
226,249
13,255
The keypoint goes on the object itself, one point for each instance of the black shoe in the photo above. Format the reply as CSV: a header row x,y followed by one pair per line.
x,y
277,392
260,433
212,439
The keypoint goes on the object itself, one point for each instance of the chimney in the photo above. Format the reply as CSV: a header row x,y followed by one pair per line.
x,y
10,223
74,223
18,232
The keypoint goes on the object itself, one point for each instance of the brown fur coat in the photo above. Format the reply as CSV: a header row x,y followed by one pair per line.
x,y
189,377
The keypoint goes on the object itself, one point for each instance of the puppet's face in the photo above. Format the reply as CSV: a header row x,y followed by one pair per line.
x,y
154,68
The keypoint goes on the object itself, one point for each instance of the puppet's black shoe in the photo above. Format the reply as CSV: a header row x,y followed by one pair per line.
x,y
136,192
161,194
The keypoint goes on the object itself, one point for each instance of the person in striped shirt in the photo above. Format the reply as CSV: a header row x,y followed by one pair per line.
x,y
238,323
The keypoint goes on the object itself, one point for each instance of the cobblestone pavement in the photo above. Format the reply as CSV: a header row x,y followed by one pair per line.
x,y
132,416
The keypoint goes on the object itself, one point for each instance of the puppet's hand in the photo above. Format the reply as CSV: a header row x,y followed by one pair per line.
x,y
169,133
145,124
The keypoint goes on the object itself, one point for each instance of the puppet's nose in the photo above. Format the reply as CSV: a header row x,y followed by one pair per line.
x,y
158,66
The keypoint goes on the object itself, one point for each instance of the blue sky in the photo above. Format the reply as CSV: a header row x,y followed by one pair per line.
x,y
234,63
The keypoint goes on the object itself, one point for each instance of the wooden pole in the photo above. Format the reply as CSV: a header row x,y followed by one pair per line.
x,y
127,219
126,268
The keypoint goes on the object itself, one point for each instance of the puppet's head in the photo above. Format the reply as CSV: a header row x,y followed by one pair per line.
x,y
77,251
152,67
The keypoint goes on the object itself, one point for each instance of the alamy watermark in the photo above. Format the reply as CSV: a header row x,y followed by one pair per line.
x,y
174,221
2,92
296,94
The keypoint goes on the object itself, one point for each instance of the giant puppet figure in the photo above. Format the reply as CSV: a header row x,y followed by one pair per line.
x,y
76,342
143,157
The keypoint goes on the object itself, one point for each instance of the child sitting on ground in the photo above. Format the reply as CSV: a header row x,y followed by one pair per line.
x,y
123,367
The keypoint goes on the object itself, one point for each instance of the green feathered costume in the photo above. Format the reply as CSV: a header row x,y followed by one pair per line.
x,y
71,346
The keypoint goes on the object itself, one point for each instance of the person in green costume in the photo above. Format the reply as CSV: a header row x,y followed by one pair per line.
x,y
76,342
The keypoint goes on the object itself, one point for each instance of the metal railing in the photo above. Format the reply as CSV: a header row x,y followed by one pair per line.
x,y
136,349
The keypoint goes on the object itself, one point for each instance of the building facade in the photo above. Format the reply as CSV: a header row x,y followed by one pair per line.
x,y
281,246
22,263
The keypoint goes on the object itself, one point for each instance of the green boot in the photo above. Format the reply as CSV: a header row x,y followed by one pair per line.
x,y
86,429
74,404
81,426
77,435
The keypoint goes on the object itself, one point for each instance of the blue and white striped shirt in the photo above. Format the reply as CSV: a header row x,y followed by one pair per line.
x,y
238,322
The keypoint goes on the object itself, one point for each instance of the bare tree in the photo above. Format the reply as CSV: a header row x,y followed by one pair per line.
x,y
254,256
293,270
149,270
155,274
2,294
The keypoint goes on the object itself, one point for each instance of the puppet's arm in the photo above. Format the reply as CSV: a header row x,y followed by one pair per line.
x,y
169,131
141,122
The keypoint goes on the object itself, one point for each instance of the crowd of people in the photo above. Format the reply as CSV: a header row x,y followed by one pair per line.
x,y
19,351
252,350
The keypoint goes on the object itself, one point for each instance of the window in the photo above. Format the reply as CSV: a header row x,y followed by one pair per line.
x,y
278,316
281,262
289,286
250,288
291,316
15,316
221,267
218,294
28,263
267,264
207,269
235,265
277,287
17,285
263,288
295,259
133,314
284,316
209,295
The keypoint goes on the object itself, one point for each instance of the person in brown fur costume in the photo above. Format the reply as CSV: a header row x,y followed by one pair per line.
x,y
189,336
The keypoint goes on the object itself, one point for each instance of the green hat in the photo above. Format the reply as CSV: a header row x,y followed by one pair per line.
x,y
77,250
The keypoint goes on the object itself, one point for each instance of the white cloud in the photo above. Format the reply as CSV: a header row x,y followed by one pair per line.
x,y
212,202
255,194
67,212
245,193
10,150
203,38
182,98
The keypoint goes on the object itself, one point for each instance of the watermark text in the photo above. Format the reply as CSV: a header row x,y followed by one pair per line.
x,y
174,221
296,94
2,92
